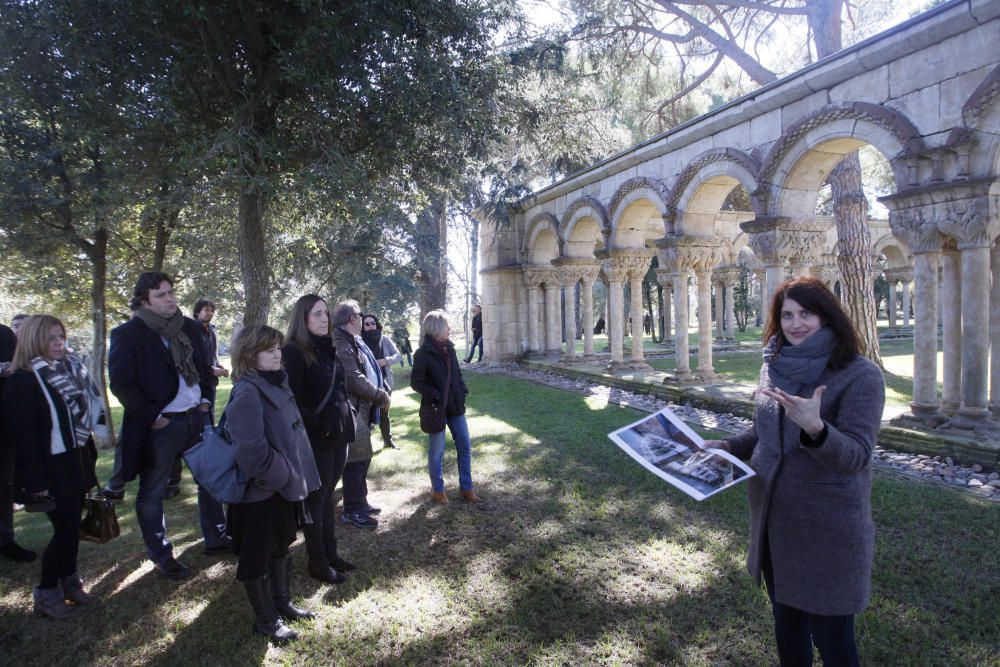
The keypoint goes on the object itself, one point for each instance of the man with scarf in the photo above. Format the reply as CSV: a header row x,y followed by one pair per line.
x,y
160,374
365,389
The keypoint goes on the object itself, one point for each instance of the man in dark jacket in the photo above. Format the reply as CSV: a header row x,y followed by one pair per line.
x,y
160,374
366,390
9,549
477,333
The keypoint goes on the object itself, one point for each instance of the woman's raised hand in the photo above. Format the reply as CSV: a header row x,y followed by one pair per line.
x,y
802,411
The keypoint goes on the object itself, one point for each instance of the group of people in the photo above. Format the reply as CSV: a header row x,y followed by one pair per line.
x,y
300,417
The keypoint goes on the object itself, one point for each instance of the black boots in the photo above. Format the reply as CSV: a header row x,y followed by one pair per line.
x,y
278,572
266,619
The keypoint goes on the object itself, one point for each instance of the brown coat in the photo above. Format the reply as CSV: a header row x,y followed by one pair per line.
x,y
815,502
360,391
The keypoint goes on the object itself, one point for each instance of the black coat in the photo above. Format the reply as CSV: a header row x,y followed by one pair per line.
x,y
144,379
29,427
8,341
430,374
310,384
477,326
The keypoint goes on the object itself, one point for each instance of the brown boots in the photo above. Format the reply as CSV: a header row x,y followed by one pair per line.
x,y
439,497
470,496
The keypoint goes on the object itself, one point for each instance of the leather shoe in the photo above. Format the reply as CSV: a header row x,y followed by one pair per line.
x,y
341,565
470,496
15,552
439,497
171,568
325,573
223,547
113,495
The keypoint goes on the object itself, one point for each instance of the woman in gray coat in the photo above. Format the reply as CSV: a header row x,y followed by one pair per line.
x,y
273,453
819,406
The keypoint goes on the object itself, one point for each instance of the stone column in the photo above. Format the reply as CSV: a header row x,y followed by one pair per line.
x,y
906,298
681,343
914,221
971,222
666,280
720,332
995,331
587,290
534,343
951,330
616,271
638,266
570,276
703,274
728,277
553,324
892,302
761,275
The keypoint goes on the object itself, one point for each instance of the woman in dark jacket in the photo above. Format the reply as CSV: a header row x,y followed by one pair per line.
x,y
311,363
273,453
819,406
48,414
429,378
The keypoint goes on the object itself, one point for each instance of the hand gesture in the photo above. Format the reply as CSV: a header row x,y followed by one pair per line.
x,y
717,444
802,411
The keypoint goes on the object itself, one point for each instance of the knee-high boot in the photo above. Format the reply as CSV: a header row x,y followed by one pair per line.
x,y
319,564
266,619
278,572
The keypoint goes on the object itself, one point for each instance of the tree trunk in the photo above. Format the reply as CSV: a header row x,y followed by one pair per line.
x,y
850,208
855,259
98,255
254,264
432,254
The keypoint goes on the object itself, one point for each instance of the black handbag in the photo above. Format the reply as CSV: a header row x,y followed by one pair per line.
x,y
336,411
433,415
100,523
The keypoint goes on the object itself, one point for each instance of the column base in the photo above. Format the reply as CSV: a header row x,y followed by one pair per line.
x,y
685,376
570,359
640,367
949,407
927,412
618,367
972,418
708,376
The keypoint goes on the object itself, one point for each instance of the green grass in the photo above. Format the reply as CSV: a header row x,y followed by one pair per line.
x,y
578,556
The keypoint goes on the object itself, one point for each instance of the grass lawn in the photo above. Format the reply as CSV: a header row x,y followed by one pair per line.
x,y
577,557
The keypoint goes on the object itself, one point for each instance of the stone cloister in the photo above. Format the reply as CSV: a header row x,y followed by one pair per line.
x,y
925,95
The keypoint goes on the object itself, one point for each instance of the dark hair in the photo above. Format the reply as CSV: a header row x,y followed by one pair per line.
x,y
814,296
19,316
201,303
344,311
378,325
148,280
252,340
298,331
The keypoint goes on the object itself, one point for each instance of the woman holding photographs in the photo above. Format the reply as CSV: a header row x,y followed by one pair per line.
x,y
47,413
819,406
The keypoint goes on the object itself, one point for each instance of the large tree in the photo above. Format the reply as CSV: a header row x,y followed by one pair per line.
x,y
342,97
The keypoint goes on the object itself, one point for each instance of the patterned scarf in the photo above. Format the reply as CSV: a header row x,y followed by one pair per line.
x,y
178,343
69,379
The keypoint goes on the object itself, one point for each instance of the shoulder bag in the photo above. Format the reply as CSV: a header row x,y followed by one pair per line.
x,y
433,414
213,463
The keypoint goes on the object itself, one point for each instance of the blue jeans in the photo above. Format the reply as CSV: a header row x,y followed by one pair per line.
x,y
182,432
477,342
463,447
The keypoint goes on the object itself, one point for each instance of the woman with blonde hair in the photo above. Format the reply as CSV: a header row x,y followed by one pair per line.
x,y
437,377
47,410
273,453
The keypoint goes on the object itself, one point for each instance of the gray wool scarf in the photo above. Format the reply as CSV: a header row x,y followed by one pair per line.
x,y
792,366
178,343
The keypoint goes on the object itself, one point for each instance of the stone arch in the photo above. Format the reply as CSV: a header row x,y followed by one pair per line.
x,y
896,252
703,185
636,203
799,162
541,243
584,225
981,113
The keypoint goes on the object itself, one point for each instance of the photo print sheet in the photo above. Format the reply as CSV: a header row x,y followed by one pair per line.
x,y
668,448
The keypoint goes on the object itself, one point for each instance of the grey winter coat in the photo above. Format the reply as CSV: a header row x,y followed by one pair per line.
x,y
815,502
360,392
272,448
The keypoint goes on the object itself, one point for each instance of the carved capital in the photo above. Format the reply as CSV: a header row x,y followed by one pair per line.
x,y
728,275
666,278
778,241
537,276
969,221
691,253
917,227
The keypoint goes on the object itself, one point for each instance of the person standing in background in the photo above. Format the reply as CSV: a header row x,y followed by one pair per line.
x,y
386,354
477,333
9,549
